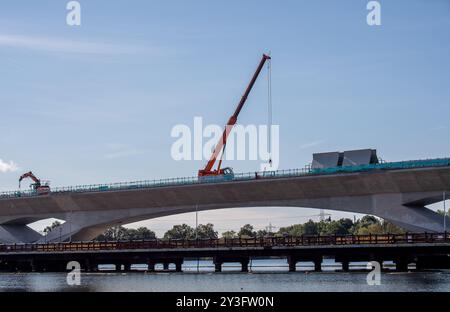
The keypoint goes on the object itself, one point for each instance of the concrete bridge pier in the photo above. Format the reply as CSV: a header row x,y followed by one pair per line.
x,y
90,266
401,264
166,264
219,261
345,265
244,265
292,261
93,267
318,265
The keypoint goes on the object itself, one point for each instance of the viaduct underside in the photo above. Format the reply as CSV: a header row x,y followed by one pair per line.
x,y
400,196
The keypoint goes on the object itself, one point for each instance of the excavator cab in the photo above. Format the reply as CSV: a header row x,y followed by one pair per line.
x,y
42,189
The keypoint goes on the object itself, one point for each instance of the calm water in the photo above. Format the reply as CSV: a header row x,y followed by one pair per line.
x,y
266,275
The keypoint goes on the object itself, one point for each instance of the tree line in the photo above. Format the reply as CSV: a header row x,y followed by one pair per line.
x,y
365,225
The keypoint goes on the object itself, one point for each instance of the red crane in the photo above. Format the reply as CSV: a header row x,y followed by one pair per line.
x,y
38,186
208,170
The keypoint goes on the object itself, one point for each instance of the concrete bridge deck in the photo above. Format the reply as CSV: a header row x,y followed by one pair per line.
x,y
397,195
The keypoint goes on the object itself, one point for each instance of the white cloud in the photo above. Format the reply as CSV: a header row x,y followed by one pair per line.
x,y
123,153
67,46
8,166
312,144
118,150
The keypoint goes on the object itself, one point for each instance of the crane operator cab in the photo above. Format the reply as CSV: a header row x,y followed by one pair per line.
x,y
225,174
228,174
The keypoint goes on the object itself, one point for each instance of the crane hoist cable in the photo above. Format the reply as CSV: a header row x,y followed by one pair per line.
x,y
269,109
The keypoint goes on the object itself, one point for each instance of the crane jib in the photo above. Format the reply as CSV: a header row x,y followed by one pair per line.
x,y
220,146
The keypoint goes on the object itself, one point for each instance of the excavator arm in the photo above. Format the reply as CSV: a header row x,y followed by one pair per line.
x,y
31,176
208,170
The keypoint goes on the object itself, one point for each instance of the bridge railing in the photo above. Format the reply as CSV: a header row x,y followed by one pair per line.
x,y
237,177
265,242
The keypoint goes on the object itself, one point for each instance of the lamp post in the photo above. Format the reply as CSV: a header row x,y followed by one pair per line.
x,y
445,213
196,222
196,235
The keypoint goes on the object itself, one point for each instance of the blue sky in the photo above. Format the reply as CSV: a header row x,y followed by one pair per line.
x,y
96,103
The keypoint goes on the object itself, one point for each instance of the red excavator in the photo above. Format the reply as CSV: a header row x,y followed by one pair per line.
x,y
227,173
41,188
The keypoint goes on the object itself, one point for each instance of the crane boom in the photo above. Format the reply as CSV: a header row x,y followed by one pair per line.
x,y
207,171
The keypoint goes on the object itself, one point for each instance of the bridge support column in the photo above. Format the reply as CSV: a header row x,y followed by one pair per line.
x,y
345,265
401,264
165,266
218,266
90,266
151,267
318,265
244,265
127,267
178,266
292,264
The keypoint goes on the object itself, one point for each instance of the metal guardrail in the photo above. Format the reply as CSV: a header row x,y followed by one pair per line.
x,y
237,177
266,242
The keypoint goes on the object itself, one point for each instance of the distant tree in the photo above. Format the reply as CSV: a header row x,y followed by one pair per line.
x,y
375,228
364,223
441,212
183,231
346,224
112,234
206,231
340,227
145,233
292,230
262,233
368,220
310,228
54,225
130,234
323,227
391,228
229,234
247,231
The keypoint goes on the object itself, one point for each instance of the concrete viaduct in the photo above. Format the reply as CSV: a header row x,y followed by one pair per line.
x,y
399,196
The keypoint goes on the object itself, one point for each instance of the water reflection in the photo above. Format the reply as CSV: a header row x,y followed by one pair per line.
x,y
265,275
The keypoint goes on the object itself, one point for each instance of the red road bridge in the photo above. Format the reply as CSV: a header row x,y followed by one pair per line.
x,y
425,250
